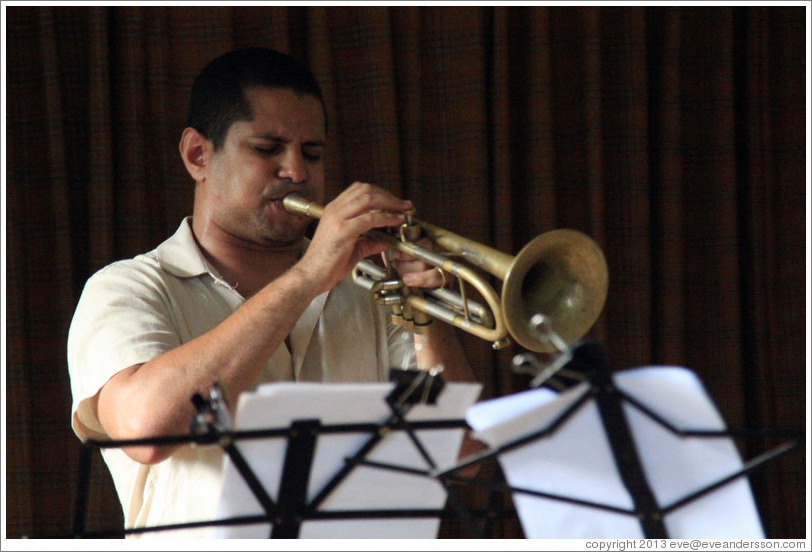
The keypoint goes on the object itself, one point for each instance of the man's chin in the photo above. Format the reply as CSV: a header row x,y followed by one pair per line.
x,y
284,239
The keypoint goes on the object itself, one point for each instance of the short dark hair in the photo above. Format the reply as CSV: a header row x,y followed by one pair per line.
x,y
218,96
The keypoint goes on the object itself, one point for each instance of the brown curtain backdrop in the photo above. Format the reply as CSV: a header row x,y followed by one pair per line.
x,y
674,136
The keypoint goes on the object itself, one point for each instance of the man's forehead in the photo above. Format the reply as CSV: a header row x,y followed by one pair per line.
x,y
264,97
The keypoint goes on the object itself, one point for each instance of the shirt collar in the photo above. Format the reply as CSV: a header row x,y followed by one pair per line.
x,y
180,254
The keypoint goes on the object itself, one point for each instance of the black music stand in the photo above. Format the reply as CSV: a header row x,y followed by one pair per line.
x,y
291,509
586,361
286,514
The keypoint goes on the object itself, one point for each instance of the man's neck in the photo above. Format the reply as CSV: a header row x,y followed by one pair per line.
x,y
247,267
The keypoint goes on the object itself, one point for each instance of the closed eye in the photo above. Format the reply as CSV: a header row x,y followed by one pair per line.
x,y
268,150
312,154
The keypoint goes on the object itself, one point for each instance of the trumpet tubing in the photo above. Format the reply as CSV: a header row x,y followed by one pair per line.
x,y
561,274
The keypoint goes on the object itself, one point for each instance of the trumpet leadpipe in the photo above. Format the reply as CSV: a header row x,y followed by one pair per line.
x,y
294,203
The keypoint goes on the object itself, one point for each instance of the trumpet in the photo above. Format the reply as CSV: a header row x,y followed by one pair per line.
x,y
561,274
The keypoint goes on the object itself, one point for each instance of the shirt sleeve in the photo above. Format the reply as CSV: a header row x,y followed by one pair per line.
x,y
402,353
123,318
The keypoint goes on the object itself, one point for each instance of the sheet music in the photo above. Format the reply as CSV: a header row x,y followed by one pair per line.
x,y
576,460
279,404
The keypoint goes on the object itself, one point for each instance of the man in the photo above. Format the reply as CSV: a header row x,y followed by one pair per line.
x,y
237,296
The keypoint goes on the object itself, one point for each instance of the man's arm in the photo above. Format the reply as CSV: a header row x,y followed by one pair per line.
x,y
152,399
440,346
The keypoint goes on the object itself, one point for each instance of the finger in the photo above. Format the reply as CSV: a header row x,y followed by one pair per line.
x,y
424,243
361,198
366,247
433,278
402,257
410,265
357,212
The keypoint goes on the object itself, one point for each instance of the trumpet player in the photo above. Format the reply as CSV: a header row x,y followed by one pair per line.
x,y
238,295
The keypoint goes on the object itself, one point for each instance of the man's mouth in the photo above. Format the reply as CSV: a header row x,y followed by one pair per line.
x,y
276,206
280,194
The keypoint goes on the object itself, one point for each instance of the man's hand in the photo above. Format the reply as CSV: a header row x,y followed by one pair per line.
x,y
416,273
339,242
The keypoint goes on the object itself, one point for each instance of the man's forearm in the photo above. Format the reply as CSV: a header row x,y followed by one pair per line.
x,y
153,398
441,346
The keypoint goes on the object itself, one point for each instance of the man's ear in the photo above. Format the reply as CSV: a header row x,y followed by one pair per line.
x,y
194,150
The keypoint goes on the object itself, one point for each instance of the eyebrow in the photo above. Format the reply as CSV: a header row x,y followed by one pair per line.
x,y
277,138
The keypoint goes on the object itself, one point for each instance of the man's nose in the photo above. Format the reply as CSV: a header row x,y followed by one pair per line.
x,y
293,167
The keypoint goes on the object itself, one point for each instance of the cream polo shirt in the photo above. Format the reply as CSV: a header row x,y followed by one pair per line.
x,y
134,310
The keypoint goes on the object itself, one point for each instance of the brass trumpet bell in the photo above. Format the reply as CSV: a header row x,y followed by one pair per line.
x,y
561,274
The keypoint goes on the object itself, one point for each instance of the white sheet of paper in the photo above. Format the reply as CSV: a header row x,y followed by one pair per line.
x,y
576,460
277,405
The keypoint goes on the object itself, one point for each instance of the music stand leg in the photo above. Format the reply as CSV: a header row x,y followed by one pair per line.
x,y
590,359
295,477
82,487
